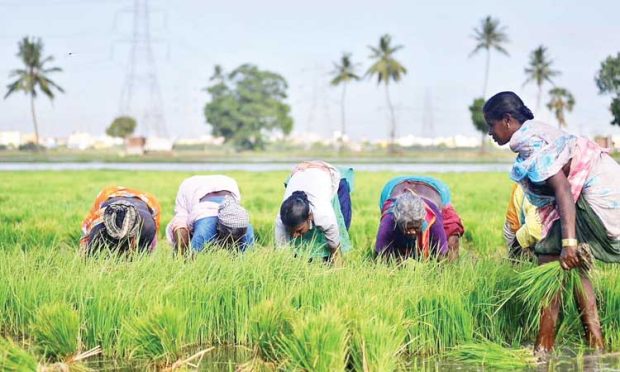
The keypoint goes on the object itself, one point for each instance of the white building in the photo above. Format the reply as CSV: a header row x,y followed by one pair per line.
x,y
80,141
10,139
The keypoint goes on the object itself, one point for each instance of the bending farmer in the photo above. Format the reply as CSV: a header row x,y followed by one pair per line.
x,y
417,219
576,187
207,210
522,229
121,220
316,209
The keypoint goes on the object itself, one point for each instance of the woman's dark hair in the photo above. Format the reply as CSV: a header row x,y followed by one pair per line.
x,y
295,209
504,103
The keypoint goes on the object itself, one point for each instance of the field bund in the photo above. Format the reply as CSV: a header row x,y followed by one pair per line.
x,y
156,310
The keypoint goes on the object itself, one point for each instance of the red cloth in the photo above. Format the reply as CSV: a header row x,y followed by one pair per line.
x,y
452,223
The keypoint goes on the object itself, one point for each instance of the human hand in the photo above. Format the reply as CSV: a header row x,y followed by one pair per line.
x,y
569,258
335,259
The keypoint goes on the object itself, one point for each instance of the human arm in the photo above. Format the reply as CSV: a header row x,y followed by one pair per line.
x,y
282,236
566,208
384,243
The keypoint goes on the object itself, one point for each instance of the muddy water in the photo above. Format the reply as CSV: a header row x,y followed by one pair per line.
x,y
229,359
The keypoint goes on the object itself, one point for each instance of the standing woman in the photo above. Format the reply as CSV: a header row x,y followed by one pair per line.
x,y
121,220
316,210
417,220
576,186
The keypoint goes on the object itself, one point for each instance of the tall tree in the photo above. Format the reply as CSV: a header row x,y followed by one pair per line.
x,y
561,101
490,35
539,70
608,82
246,104
34,76
344,73
387,69
477,119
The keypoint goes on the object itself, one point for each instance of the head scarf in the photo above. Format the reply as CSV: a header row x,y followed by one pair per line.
x,y
232,215
121,220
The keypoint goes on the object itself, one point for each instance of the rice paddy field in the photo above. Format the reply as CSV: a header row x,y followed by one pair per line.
x,y
267,309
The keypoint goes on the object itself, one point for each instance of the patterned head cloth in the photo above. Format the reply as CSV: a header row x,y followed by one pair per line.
x,y
233,215
121,220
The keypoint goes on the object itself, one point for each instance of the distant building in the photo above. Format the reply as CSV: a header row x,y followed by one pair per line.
x,y
158,144
11,139
135,145
80,141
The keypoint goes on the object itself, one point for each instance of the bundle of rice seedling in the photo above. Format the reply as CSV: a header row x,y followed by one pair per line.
x,y
156,337
318,342
14,358
269,323
492,355
538,287
56,331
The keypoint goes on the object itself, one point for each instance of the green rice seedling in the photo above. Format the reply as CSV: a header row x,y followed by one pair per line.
x,y
156,337
376,344
318,342
269,324
13,358
538,286
56,331
437,319
493,356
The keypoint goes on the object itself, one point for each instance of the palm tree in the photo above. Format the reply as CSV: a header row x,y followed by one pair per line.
x,y
343,74
561,100
489,36
539,70
33,75
387,68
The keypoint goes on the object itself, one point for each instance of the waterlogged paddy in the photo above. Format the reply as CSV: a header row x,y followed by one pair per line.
x,y
267,309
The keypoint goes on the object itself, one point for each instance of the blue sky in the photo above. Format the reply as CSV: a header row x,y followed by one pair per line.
x,y
300,40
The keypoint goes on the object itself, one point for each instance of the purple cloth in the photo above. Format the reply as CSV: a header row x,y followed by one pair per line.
x,y
391,241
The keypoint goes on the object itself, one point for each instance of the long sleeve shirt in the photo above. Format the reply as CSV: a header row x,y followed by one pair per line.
x,y
188,208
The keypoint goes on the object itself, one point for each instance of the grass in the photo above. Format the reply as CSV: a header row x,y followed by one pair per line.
x,y
493,356
56,331
365,316
14,358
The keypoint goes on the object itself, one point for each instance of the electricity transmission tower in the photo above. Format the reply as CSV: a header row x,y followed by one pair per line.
x,y
141,96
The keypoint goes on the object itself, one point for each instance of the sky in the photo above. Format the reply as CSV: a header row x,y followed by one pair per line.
x,y
90,40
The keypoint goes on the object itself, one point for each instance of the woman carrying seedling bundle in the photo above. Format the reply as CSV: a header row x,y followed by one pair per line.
x,y
208,210
316,210
417,220
522,228
121,220
576,186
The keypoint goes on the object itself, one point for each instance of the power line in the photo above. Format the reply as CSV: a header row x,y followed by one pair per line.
x,y
141,95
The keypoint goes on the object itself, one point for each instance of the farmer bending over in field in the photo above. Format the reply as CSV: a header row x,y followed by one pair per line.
x,y
316,210
121,220
417,220
522,228
576,186
207,210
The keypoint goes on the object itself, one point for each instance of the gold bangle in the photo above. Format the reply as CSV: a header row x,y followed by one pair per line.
x,y
569,243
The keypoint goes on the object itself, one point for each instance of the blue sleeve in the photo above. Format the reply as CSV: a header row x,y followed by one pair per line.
x,y
205,231
248,239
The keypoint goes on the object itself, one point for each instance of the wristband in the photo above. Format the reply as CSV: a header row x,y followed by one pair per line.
x,y
569,243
